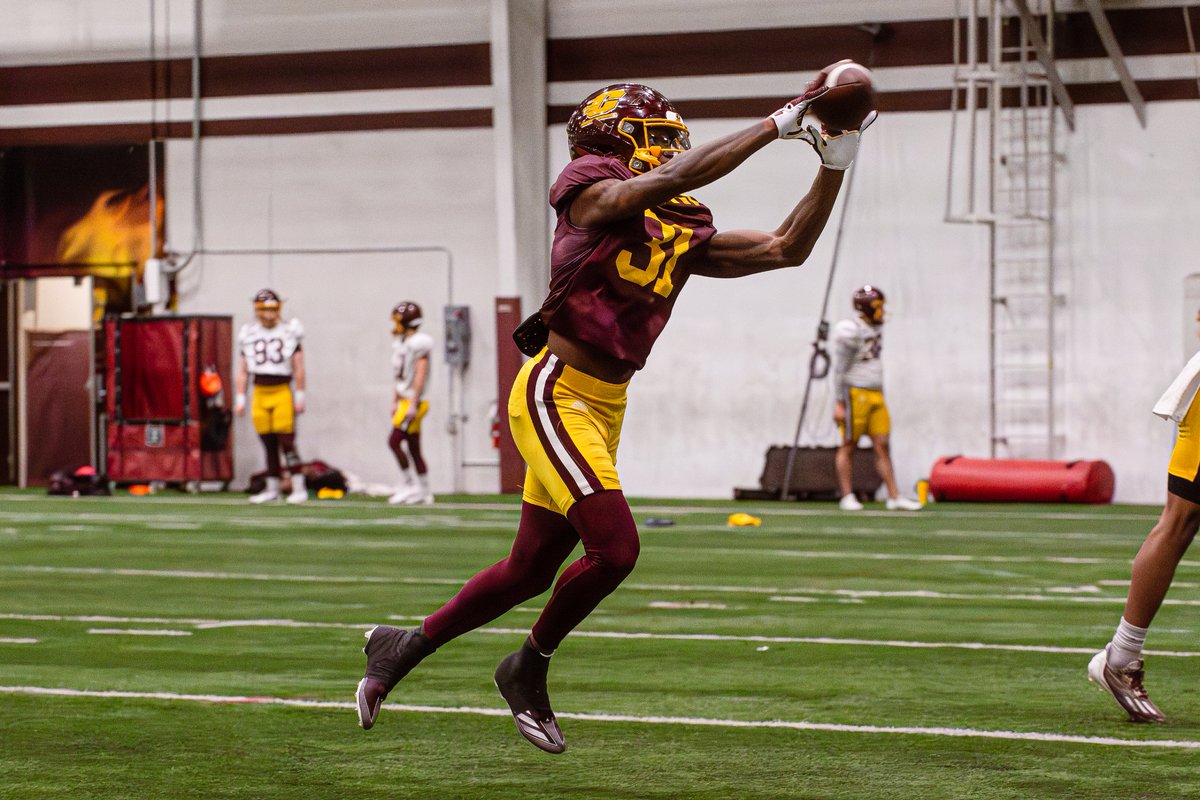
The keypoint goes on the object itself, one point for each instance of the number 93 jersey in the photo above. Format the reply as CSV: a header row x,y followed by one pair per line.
x,y
613,286
269,351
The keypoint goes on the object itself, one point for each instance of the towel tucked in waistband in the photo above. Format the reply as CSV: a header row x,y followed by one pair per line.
x,y
1178,397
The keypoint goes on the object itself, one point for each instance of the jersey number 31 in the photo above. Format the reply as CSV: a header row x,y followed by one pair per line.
x,y
664,252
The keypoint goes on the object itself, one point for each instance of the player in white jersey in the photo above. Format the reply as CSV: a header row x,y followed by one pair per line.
x,y
270,350
410,367
858,381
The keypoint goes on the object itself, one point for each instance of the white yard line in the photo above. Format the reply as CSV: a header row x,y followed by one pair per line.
x,y
136,632
639,506
209,624
17,640
926,594
971,733
776,593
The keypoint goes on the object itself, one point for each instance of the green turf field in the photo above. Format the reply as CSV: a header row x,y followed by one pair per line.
x,y
178,646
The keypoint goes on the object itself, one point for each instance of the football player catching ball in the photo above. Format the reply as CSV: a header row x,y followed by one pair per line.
x,y
628,237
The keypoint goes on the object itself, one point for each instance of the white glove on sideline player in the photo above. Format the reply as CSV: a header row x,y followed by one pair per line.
x,y
836,151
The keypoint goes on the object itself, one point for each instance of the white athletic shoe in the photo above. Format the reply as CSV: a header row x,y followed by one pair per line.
x,y
419,497
850,503
404,495
1126,687
268,494
299,492
903,504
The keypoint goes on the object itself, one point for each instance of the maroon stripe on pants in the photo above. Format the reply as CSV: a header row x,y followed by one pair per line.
x,y
849,435
545,436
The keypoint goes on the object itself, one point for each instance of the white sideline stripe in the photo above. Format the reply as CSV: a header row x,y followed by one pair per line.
x,y
774,511
240,576
135,632
721,637
925,594
777,594
15,640
206,624
643,720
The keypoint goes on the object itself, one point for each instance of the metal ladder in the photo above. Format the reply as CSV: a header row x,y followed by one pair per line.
x,y
1010,156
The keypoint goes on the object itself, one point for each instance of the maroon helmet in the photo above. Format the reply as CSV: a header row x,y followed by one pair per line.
x,y
628,121
406,315
267,299
868,301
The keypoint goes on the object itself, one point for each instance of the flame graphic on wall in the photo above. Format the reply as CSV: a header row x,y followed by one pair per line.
x,y
113,237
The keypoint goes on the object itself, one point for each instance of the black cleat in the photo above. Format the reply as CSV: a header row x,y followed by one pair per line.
x,y
391,654
521,679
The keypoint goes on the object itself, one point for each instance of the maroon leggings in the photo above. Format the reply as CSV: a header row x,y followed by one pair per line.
x,y
604,524
397,441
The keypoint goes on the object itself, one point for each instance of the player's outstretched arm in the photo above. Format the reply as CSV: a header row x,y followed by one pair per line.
x,y
736,253
615,199
732,254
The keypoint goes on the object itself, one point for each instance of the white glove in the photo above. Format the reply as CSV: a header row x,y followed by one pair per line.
x,y
789,120
836,151
239,404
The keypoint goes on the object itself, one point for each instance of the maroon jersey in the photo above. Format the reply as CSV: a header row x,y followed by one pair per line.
x,y
614,286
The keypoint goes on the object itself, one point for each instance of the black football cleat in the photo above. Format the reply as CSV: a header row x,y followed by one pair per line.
x,y
391,654
521,679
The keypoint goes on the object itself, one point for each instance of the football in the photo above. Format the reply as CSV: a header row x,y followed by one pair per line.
x,y
850,98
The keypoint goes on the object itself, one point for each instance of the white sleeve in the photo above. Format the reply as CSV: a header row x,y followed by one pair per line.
x,y
243,332
1178,397
296,328
421,345
845,343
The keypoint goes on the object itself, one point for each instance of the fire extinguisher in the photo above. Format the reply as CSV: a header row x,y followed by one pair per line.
x,y
495,414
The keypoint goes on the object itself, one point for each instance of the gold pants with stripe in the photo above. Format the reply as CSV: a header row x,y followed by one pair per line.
x,y
402,412
567,425
866,413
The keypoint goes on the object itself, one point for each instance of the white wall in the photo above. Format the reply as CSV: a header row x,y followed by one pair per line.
x,y
726,378
427,190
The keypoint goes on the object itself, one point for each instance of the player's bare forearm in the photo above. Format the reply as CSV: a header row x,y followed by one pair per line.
x,y
614,199
298,374
803,226
242,379
419,376
733,254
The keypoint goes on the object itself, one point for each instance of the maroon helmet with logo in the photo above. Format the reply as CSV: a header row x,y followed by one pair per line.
x,y
266,298
406,315
868,301
267,308
628,121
